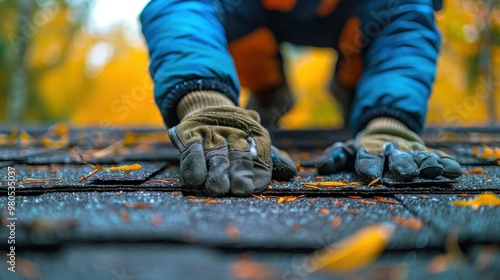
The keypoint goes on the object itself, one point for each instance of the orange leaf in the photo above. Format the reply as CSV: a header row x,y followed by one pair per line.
x,y
367,202
411,223
338,203
383,200
233,232
374,182
139,205
352,211
476,170
485,199
336,222
324,211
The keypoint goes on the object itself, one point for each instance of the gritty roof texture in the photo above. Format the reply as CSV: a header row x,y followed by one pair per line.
x,y
146,224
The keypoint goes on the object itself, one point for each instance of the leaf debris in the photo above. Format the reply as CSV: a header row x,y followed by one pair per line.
x,y
485,199
411,223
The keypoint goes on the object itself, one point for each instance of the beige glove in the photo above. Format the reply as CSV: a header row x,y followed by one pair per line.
x,y
223,147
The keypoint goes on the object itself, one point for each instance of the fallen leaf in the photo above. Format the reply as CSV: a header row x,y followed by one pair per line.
x,y
476,170
374,182
411,223
124,168
156,220
206,200
352,211
318,177
324,211
355,197
333,184
88,175
244,268
38,180
27,268
488,152
233,232
352,253
464,195
310,185
175,193
313,200
485,199
367,202
31,168
392,207
57,144
383,200
338,203
125,216
438,264
138,205
336,222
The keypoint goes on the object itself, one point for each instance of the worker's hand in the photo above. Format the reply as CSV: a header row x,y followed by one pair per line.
x,y
388,143
224,148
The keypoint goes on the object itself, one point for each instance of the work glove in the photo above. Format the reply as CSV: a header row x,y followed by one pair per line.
x,y
388,143
224,148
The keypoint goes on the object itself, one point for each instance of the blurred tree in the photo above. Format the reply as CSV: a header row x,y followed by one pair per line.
x,y
37,36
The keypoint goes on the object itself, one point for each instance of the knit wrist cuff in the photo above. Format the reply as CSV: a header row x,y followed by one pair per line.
x,y
197,100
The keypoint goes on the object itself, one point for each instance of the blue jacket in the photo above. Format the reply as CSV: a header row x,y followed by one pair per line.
x,y
189,51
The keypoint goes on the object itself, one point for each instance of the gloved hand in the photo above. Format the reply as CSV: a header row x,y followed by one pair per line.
x,y
388,143
224,147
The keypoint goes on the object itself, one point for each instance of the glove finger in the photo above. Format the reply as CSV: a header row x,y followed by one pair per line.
x,y
217,183
401,163
241,173
337,157
369,166
428,163
283,167
261,176
452,168
193,163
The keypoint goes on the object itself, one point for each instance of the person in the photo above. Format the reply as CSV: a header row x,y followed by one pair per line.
x,y
384,75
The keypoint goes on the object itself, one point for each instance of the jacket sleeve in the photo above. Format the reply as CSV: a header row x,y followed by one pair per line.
x,y
188,52
399,63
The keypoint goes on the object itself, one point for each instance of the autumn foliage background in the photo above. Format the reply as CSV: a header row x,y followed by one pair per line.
x,y
54,67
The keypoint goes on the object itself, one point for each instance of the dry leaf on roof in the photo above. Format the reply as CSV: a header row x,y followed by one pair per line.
x,y
206,200
39,180
411,223
374,182
333,184
352,253
485,199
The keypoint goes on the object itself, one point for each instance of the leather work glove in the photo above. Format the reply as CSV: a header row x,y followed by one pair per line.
x,y
388,143
224,148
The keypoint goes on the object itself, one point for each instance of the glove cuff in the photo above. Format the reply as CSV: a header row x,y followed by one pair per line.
x,y
197,100
386,123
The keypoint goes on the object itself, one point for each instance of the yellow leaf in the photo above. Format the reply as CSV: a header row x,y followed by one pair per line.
x,y
485,199
125,168
354,252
